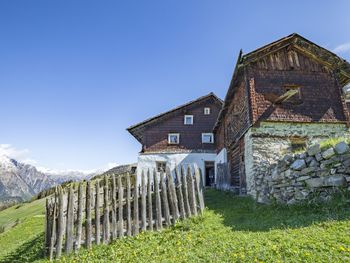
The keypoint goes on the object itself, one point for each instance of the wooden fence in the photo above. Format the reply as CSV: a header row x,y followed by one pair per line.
x,y
115,206
223,179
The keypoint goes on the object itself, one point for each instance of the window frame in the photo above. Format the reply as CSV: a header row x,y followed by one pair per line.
x,y
161,163
207,110
206,134
188,116
174,134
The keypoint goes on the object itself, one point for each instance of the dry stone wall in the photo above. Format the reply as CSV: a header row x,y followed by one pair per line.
x,y
316,173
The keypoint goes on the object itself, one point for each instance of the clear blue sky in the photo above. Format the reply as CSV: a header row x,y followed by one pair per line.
x,y
75,74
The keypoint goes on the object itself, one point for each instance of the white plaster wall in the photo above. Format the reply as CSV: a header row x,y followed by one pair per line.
x,y
148,161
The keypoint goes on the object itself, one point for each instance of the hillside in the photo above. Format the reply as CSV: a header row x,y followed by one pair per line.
x,y
233,229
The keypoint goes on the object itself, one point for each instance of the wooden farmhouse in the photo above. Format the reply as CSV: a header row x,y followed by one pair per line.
x,y
181,136
282,97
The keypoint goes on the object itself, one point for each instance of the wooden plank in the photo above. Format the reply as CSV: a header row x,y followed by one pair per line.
x,y
199,188
88,228
185,191
114,208
79,217
149,196
172,195
97,214
179,176
165,199
53,229
128,205
60,223
136,224
105,226
47,229
70,221
158,201
192,192
120,207
143,202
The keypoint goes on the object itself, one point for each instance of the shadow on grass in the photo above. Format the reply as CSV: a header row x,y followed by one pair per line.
x,y
28,252
243,213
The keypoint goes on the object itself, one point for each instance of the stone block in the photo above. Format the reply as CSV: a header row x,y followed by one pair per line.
x,y
314,163
298,164
314,182
314,149
303,178
308,170
341,148
328,153
335,180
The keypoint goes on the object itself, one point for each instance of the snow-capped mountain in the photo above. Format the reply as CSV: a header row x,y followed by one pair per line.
x,y
19,181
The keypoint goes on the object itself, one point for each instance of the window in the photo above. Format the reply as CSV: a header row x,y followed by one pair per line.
x,y
292,94
161,166
206,111
188,120
207,138
173,138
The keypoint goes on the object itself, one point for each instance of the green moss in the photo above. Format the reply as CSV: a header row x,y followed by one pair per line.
x,y
332,142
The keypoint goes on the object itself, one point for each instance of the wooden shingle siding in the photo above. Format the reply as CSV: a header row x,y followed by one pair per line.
x,y
155,137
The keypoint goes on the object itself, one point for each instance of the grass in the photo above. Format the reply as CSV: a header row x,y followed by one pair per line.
x,y
22,225
332,142
232,229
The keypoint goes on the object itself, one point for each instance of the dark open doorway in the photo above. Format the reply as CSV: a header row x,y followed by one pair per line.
x,y
209,173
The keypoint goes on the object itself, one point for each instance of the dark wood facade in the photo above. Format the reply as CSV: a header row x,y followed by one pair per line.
x,y
259,92
153,133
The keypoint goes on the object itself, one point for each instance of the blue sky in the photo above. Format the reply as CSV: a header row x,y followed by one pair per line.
x,y
75,74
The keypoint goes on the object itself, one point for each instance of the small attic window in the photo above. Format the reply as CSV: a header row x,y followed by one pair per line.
x,y
206,111
188,120
291,95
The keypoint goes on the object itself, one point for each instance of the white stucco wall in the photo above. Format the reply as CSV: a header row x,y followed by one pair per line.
x,y
148,161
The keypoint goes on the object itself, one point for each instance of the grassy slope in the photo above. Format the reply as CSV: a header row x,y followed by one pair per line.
x,y
233,229
23,224
236,229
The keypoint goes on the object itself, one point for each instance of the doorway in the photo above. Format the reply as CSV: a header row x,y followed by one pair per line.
x,y
209,173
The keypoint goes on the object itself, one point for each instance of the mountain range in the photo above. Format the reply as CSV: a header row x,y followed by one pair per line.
x,y
20,181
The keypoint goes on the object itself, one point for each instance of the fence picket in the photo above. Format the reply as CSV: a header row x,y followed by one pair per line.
x,y
199,189
70,221
114,208
79,217
120,207
128,204
53,229
185,190
136,224
192,192
60,226
97,214
158,201
165,199
143,202
88,227
105,225
178,176
149,196
172,196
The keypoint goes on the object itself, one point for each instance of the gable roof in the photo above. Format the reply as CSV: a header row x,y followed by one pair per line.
x,y
340,66
137,129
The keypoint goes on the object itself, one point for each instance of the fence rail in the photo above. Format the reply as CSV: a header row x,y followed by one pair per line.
x,y
116,206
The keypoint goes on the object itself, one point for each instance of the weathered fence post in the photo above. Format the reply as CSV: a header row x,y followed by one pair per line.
x,y
105,225
88,230
136,209
70,220
60,223
143,202
47,226
114,208
179,193
172,195
165,199
97,214
53,229
79,217
128,204
199,188
158,201
120,207
149,196
185,190
192,192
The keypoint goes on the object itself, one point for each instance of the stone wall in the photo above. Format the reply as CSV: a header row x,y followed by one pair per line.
x,y
266,144
314,173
